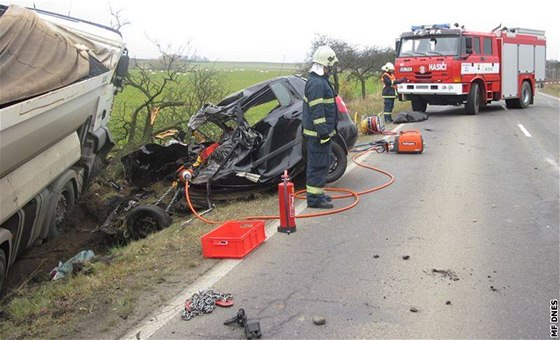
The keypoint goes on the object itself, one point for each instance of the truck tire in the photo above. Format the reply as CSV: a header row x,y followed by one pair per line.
x,y
472,106
338,162
146,219
419,105
3,267
64,204
526,95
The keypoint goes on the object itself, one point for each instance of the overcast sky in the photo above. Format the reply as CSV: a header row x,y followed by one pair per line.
x,y
276,31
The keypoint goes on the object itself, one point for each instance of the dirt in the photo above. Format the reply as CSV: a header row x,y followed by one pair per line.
x,y
34,265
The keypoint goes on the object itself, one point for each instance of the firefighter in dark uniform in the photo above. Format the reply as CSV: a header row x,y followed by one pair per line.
x,y
389,90
320,116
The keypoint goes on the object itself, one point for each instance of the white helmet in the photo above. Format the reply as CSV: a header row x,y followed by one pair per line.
x,y
388,66
325,56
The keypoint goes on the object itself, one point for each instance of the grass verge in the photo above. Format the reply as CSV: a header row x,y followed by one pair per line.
x,y
122,287
551,89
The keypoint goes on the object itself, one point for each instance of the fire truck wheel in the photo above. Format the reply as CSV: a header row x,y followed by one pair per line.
x,y
473,100
419,105
526,95
338,162
146,219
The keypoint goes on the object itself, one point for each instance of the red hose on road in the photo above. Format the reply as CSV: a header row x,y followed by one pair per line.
x,y
349,193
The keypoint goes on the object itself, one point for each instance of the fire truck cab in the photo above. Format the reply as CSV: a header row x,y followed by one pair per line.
x,y
453,66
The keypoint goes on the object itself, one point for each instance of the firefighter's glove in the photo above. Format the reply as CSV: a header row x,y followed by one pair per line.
x,y
403,80
324,138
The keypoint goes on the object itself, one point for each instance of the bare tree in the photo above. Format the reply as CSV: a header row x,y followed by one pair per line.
x,y
168,91
117,21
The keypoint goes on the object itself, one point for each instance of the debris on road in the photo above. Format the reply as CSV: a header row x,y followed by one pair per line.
x,y
375,256
406,257
414,309
252,329
446,274
494,289
67,267
448,302
319,320
204,302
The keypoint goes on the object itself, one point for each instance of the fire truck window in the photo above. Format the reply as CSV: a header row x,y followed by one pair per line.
x,y
487,46
476,45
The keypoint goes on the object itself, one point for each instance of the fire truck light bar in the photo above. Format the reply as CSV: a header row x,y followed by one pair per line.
x,y
428,27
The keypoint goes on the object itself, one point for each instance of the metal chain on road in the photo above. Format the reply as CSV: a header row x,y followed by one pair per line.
x,y
203,302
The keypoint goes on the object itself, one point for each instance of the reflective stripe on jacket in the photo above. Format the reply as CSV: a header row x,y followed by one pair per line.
x,y
320,114
389,85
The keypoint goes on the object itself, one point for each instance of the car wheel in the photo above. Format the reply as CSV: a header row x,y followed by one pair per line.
x,y
3,267
64,205
146,219
338,162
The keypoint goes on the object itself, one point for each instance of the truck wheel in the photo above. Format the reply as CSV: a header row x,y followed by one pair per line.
x,y
338,162
526,95
419,105
3,267
146,219
64,205
473,100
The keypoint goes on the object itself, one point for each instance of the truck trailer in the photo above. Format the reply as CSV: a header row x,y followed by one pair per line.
x,y
58,78
446,65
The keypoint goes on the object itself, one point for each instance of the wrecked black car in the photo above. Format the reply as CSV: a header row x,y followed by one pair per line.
x,y
247,140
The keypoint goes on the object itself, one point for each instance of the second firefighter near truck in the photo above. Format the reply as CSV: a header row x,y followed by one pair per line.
x,y
320,117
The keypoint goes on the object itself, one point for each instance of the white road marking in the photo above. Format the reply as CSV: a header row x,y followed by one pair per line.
x,y
552,162
361,158
524,130
548,96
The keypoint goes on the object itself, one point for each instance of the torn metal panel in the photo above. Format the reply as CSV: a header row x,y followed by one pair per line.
x,y
259,135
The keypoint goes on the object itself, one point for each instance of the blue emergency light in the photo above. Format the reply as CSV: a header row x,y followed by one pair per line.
x,y
430,27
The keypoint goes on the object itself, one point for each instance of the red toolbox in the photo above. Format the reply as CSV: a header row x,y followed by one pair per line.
x,y
233,239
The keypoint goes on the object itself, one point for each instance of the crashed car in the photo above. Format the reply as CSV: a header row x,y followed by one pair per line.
x,y
254,135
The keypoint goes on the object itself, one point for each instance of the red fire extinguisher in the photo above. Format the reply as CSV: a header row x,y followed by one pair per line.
x,y
286,204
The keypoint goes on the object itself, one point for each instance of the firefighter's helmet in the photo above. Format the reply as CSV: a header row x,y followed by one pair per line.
x,y
325,56
388,67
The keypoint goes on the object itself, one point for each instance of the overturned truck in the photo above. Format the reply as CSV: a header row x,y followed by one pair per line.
x,y
58,79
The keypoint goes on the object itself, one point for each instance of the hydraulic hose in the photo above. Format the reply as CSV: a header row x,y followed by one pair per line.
x,y
347,193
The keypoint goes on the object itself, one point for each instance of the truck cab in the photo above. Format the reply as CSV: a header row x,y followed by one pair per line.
x,y
453,66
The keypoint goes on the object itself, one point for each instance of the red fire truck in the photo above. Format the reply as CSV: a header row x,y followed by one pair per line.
x,y
453,66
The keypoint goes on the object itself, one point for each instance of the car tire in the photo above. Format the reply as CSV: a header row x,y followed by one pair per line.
x,y
64,204
339,162
147,219
3,267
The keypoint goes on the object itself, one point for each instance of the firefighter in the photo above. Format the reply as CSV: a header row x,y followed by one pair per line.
x,y
389,90
320,116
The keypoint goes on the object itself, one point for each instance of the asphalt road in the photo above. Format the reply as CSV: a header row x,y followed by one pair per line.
x,y
477,213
